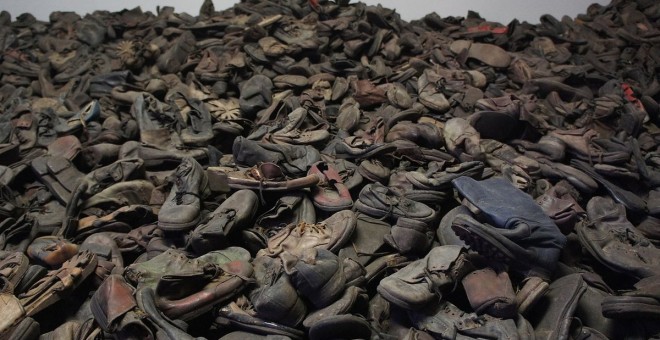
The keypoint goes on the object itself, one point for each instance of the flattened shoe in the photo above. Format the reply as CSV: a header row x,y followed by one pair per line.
x,y
235,212
238,315
417,284
615,242
643,302
58,283
378,200
177,297
330,194
12,312
331,234
268,177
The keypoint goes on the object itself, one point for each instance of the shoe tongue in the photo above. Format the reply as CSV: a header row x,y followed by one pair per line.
x,y
442,260
183,185
195,119
289,262
183,169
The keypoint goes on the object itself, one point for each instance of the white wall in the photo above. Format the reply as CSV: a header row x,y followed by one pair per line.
x,y
495,10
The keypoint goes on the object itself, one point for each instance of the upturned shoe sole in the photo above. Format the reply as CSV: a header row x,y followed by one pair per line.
x,y
493,247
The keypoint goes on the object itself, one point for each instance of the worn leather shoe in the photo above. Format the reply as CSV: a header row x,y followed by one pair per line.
x,y
182,207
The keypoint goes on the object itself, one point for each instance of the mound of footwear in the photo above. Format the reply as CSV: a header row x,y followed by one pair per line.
x,y
294,169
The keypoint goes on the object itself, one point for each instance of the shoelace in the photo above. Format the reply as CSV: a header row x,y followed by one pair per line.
x,y
315,228
629,237
592,222
178,196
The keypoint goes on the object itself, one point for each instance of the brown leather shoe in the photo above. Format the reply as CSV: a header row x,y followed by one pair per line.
x,y
51,251
330,194
490,292
111,301
180,297
58,283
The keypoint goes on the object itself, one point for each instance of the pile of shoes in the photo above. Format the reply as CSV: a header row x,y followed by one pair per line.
x,y
292,169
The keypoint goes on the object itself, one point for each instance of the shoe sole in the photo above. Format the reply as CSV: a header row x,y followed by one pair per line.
x,y
483,244
632,308
491,248
532,296
398,302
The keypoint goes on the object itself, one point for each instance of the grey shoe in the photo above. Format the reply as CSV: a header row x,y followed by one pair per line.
x,y
378,200
234,213
182,207
420,282
317,275
275,299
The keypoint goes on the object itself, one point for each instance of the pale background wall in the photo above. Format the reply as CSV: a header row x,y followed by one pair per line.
x,y
495,10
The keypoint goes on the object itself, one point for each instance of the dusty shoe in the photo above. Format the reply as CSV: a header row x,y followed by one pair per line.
x,y
421,281
429,93
446,321
643,302
560,205
182,207
234,213
13,313
13,266
265,177
532,290
554,313
462,140
410,236
198,123
51,251
192,294
317,275
352,297
433,186
275,299
488,54
498,155
330,194
378,200
59,174
330,234
294,160
256,94
615,242
175,262
58,283
424,134
374,170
